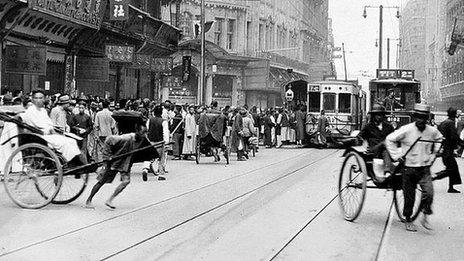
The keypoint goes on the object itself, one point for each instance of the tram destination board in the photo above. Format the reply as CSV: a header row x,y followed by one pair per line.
x,y
395,74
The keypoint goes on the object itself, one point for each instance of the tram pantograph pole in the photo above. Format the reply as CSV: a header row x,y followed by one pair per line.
x,y
344,61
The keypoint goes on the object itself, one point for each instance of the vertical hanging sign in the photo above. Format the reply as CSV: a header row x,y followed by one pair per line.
x,y
119,10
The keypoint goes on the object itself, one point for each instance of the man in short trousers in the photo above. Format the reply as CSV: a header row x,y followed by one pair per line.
x,y
116,145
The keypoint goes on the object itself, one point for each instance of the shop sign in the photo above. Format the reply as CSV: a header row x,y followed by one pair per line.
x,y
163,65
118,53
172,82
26,60
85,12
142,61
92,69
119,10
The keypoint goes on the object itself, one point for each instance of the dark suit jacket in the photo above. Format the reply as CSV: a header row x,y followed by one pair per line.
x,y
449,131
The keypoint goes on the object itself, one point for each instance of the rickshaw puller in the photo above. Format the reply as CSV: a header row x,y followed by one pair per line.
x,y
416,163
116,145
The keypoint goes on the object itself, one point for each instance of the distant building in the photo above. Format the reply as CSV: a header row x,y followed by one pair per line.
x,y
413,34
256,50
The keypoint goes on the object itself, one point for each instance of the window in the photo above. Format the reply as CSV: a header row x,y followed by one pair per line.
x,y
249,38
260,37
329,102
230,34
218,31
314,102
344,103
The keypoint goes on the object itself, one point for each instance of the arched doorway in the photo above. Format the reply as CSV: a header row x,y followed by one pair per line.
x,y
184,92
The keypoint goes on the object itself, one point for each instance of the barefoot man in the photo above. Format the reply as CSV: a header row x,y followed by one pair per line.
x,y
116,145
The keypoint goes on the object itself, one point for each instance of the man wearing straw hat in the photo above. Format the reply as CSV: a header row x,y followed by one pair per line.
x,y
417,161
375,133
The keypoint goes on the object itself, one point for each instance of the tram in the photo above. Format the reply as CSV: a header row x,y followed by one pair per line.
x,y
344,103
397,91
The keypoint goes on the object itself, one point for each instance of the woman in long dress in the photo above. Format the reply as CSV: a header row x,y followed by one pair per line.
x,y
300,119
190,137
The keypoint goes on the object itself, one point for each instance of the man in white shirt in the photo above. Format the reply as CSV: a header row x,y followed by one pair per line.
x,y
37,116
417,162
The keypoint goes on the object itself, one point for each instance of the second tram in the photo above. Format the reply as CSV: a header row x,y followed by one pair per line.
x,y
397,91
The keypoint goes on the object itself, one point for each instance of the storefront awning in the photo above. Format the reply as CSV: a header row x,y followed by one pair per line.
x,y
215,50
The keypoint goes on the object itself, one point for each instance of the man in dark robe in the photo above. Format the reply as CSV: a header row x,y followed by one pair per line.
x,y
449,131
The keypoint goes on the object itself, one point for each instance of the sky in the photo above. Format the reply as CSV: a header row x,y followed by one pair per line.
x,y
359,35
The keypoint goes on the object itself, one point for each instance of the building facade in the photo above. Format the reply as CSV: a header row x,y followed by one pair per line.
x,y
412,33
76,47
256,50
451,83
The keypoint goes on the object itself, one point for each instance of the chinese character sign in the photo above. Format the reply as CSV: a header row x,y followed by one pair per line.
x,y
26,60
119,10
162,64
84,12
117,53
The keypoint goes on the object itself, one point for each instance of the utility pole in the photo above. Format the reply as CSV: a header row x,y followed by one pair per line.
x,y
344,61
202,55
381,7
380,34
388,53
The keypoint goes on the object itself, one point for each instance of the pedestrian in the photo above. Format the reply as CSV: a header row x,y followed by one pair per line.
x,y
268,125
105,125
323,124
300,119
284,126
116,145
416,163
237,135
158,130
59,113
81,124
190,133
449,132
248,131
177,132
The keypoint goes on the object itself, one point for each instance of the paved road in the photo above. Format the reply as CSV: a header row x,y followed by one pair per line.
x,y
242,211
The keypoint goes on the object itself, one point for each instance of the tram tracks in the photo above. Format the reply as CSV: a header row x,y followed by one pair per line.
x,y
148,206
379,247
228,202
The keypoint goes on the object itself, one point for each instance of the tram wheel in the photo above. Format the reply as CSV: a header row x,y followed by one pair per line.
x,y
398,199
33,176
352,186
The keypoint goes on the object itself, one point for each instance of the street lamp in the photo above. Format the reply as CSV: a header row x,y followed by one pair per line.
x,y
381,7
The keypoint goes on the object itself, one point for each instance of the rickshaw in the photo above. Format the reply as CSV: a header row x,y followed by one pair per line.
x,y
36,175
358,173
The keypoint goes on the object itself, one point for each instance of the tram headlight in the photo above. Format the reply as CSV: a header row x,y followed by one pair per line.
x,y
350,118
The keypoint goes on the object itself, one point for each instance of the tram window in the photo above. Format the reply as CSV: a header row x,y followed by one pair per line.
x,y
314,102
328,103
344,103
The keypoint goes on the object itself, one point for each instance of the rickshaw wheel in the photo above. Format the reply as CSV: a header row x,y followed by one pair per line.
x,y
398,198
197,152
352,186
72,187
33,176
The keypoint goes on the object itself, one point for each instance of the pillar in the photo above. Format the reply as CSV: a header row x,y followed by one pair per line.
x,y
208,98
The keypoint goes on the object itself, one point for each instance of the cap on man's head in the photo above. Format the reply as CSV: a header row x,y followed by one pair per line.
x,y
63,99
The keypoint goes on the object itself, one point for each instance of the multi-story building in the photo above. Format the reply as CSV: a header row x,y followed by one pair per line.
x,y
412,34
452,67
256,50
